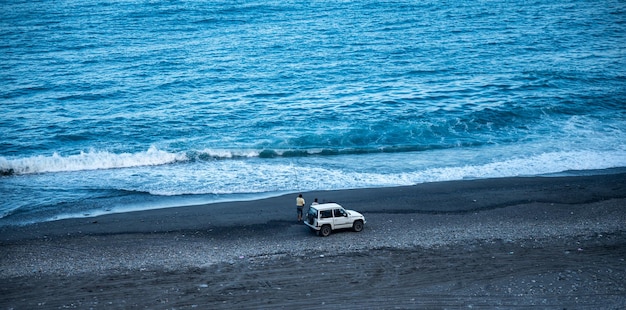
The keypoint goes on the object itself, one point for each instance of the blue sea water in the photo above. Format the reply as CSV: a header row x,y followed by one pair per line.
x,y
113,106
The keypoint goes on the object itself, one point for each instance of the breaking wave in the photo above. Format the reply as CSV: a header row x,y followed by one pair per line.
x,y
98,160
91,160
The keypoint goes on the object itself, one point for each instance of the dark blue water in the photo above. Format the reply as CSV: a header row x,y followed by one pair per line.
x,y
110,106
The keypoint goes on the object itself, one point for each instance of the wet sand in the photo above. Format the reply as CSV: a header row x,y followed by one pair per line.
x,y
498,243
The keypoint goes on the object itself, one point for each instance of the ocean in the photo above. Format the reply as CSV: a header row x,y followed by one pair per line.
x,y
116,106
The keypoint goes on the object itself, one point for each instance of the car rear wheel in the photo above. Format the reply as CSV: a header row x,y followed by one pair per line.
x,y
357,226
325,231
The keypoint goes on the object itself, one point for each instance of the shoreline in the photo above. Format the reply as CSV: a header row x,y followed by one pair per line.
x,y
551,241
171,204
446,197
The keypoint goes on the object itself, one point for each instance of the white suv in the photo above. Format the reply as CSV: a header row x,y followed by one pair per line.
x,y
326,217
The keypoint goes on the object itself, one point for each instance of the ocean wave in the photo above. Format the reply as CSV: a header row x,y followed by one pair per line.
x,y
91,160
295,153
102,160
99,160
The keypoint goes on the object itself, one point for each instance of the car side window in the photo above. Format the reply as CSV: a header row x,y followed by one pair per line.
x,y
339,213
326,214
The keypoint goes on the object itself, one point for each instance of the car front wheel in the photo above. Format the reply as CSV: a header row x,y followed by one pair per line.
x,y
325,231
357,226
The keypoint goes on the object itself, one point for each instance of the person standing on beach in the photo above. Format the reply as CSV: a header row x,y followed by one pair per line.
x,y
299,205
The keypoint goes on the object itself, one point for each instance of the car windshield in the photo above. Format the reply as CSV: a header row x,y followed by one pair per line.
x,y
313,212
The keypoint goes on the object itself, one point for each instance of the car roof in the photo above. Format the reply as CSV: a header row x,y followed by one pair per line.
x,y
326,206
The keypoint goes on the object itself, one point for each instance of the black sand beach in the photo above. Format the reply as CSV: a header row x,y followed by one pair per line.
x,y
500,243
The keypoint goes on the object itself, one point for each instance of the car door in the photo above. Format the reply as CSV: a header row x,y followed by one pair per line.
x,y
341,219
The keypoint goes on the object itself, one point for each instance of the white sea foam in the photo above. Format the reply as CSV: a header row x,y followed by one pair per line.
x,y
90,160
234,177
